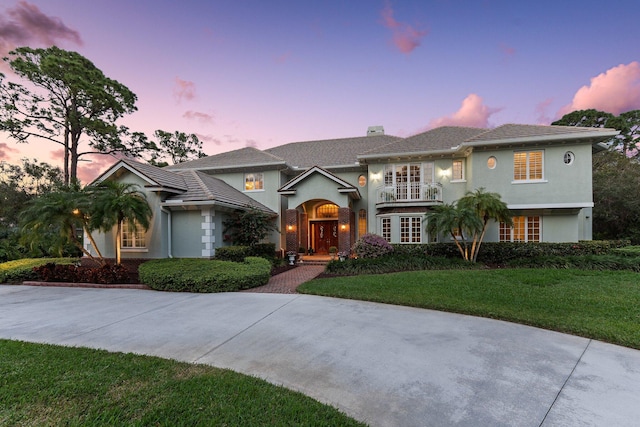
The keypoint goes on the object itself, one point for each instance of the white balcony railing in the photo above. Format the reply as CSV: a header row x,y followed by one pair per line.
x,y
409,192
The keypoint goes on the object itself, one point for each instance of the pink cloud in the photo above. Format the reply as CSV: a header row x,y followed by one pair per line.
x,y
26,25
208,138
281,59
542,108
472,113
184,89
404,36
507,50
201,117
96,164
251,143
5,149
615,91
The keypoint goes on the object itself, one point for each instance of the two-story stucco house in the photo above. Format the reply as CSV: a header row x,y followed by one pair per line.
x,y
328,193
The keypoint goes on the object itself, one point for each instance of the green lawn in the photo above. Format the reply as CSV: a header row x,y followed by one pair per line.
x,y
603,305
55,386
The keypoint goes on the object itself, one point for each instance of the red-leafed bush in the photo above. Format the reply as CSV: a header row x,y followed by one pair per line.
x,y
107,274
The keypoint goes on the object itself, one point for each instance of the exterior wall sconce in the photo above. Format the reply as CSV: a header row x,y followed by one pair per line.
x,y
290,228
343,227
445,173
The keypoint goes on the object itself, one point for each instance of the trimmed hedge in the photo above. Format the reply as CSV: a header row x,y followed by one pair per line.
x,y
22,269
201,275
395,262
581,262
239,253
503,252
106,274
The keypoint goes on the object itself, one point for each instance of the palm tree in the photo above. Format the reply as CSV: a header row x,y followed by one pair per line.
x,y
62,212
469,218
488,207
115,203
456,221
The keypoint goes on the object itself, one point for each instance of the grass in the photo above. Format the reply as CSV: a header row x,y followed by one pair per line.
x,y
604,305
52,385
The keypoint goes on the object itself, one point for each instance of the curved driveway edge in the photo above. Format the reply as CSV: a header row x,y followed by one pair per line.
x,y
382,364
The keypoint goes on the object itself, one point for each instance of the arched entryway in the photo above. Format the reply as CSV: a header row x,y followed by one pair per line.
x,y
318,225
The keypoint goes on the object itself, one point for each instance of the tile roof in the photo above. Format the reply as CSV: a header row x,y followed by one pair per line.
x,y
160,176
331,152
204,187
515,131
248,156
438,139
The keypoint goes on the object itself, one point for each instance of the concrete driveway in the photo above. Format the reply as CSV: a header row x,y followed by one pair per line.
x,y
382,364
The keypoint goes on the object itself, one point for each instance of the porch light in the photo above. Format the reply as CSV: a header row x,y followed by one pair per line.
x,y
290,227
343,227
445,173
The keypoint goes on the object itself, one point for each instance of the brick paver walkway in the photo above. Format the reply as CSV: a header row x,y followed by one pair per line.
x,y
287,282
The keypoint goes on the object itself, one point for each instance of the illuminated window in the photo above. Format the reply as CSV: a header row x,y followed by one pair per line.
x,y
525,229
253,181
410,229
362,222
527,165
457,173
362,180
492,162
386,229
133,237
328,210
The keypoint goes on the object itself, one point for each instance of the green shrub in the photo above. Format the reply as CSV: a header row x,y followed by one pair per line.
x,y
239,253
201,275
628,251
372,246
395,262
22,269
503,252
582,262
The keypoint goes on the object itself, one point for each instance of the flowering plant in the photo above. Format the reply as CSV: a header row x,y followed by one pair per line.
x,y
343,254
372,246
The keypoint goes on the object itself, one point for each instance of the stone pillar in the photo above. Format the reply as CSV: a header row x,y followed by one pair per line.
x,y
345,228
291,230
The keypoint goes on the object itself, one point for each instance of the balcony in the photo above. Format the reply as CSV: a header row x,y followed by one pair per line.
x,y
414,194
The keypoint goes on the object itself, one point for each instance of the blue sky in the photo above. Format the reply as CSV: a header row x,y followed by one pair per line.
x,y
260,73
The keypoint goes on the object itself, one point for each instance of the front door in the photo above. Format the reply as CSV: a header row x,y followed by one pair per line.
x,y
325,235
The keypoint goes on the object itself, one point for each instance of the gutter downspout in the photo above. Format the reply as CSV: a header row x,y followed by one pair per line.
x,y
169,248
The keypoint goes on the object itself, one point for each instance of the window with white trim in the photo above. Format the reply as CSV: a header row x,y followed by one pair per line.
x,y
386,228
253,181
133,237
528,165
362,222
408,178
457,173
410,229
524,229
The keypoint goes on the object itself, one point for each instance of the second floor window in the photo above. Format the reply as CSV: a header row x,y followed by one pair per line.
x,y
528,165
457,173
253,181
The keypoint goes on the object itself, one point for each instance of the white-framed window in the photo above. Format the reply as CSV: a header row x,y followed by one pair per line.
x,y
528,165
568,158
457,170
254,181
133,237
410,229
407,179
524,229
362,222
385,225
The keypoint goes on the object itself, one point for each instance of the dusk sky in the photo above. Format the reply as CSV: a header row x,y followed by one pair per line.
x,y
265,73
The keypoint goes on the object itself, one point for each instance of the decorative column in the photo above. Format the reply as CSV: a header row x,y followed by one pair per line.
x,y
291,230
344,229
208,238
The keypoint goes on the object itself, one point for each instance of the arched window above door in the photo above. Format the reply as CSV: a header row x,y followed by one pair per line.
x,y
328,210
